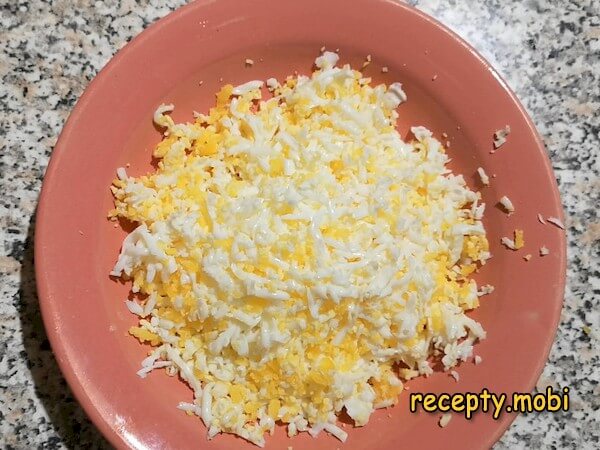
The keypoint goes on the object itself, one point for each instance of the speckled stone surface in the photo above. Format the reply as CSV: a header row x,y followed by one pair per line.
x,y
549,52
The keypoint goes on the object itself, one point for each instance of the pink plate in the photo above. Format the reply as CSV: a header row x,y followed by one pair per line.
x,y
208,41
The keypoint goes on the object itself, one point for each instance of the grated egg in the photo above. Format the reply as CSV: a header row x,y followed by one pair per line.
x,y
292,253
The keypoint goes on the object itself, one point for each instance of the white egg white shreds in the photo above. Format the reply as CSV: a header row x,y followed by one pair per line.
x,y
295,257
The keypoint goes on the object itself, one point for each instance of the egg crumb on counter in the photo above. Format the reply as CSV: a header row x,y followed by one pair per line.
x,y
292,253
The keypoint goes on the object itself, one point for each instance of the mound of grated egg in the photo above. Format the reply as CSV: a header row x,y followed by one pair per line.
x,y
294,257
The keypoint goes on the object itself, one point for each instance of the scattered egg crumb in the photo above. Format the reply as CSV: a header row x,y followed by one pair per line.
x,y
477,360
454,374
508,243
433,78
272,84
544,251
519,239
485,180
556,222
249,62
445,419
322,49
500,136
384,69
507,204
541,219
445,135
527,257
485,290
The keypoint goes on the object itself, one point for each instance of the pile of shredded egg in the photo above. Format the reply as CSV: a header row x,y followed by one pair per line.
x,y
295,257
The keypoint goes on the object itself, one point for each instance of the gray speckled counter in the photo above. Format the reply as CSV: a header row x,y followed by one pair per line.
x,y
548,50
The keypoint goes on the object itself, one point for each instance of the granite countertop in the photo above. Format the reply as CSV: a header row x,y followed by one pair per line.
x,y
549,52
